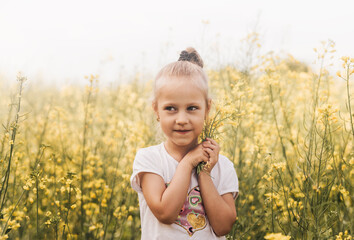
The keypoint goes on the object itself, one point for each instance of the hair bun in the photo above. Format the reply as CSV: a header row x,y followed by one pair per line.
x,y
191,55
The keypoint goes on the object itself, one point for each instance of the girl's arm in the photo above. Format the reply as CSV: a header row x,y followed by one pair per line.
x,y
166,202
220,210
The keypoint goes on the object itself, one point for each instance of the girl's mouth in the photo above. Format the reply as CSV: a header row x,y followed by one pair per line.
x,y
182,131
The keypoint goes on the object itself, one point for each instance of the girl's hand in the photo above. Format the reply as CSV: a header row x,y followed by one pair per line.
x,y
195,156
211,147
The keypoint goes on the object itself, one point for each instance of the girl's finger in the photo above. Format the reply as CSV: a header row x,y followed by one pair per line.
x,y
209,145
205,153
210,151
212,141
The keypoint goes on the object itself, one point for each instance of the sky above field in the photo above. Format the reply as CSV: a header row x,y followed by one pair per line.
x,y
62,41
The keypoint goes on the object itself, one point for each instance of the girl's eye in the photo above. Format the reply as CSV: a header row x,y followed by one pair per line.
x,y
169,108
192,108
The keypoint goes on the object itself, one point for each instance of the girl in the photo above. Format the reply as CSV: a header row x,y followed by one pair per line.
x,y
175,202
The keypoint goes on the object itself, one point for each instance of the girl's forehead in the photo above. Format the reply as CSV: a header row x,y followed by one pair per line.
x,y
181,92
180,81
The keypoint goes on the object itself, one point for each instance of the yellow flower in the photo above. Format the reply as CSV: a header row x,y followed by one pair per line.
x,y
93,195
276,236
344,58
343,167
92,228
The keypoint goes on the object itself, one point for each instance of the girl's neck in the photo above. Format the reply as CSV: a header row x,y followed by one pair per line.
x,y
178,152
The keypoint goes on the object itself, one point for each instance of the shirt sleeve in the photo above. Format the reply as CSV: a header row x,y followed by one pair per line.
x,y
228,178
145,161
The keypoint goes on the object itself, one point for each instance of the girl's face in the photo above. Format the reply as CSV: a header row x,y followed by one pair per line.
x,y
181,107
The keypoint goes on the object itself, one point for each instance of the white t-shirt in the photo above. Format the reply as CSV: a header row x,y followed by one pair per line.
x,y
192,222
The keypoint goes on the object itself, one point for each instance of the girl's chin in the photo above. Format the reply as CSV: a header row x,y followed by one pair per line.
x,y
186,143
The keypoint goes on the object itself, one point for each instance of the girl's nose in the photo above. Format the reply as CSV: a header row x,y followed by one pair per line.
x,y
182,119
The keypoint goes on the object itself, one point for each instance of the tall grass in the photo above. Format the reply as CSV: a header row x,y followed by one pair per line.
x,y
288,130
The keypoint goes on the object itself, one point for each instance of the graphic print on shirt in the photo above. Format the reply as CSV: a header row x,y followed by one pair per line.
x,y
192,215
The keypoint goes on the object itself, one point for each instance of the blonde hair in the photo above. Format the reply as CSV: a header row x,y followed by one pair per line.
x,y
189,67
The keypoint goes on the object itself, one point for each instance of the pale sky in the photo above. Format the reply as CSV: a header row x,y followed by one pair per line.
x,y
62,41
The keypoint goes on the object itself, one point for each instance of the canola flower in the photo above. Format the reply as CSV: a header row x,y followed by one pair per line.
x,y
276,236
288,131
344,236
212,127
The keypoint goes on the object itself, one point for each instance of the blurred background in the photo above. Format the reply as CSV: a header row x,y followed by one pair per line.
x,y
59,42
281,78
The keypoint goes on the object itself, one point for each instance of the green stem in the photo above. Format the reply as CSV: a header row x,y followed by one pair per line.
x,y
84,155
5,182
37,215
12,212
279,135
349,103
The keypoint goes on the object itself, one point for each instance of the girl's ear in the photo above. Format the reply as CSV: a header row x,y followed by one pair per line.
x,y
209,102
154,107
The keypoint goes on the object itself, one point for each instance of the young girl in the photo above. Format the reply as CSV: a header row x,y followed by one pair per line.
x,y
176,202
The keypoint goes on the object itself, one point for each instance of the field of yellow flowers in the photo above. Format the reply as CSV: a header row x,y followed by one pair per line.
x,y
66,154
